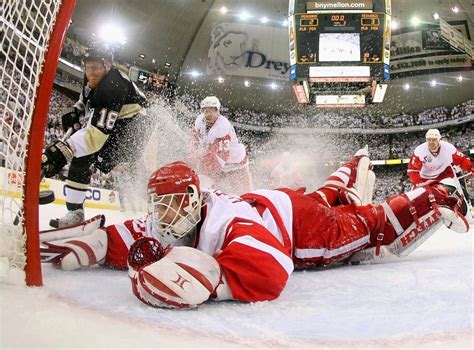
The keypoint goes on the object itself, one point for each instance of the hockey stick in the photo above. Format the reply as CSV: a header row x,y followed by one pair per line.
x,y
464,175
45,197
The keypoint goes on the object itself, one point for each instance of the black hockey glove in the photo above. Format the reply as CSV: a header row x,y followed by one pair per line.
x,y
55,157
71,120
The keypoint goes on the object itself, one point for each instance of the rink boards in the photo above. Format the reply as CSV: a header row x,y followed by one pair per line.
x,y
98,198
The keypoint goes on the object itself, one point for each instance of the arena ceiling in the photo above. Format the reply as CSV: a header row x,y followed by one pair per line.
x,y
172,31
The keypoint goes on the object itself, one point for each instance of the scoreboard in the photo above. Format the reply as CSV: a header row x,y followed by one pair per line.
x,y
339,38
338,45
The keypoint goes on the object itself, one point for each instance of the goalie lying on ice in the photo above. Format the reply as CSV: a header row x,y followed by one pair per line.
x,y
199,244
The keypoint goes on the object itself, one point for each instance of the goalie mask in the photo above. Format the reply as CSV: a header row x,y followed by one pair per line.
x,y
174,200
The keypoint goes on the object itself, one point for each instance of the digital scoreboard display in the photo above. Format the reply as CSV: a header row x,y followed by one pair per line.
x,y
347,37
339,51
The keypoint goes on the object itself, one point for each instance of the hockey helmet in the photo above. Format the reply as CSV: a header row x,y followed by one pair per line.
x,y
174,200
98,53
211,101
433,134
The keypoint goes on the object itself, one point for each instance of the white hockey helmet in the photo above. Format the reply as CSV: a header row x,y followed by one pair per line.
x,y
433,134
211,101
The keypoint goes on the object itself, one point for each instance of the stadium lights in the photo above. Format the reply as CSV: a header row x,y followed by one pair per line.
x,y
459,79
264,19
112,34
195,74
435,15
455,9
394,24
285,23
433,83
244,15
415,21
273,86
223,10
220,80
246,83
406,87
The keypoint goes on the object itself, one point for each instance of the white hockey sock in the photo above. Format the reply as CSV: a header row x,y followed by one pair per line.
x,y
75,195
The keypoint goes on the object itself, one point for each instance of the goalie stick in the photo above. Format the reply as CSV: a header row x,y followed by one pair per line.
x,y
45,197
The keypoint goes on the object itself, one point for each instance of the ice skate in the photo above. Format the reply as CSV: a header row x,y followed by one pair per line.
x,y
72,218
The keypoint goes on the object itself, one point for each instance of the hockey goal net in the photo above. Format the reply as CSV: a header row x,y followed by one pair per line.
x,y
31,37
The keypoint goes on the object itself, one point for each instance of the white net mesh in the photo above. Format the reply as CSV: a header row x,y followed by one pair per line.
x,y
26,27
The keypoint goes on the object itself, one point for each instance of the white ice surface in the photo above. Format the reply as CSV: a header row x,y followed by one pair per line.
x,y
424,301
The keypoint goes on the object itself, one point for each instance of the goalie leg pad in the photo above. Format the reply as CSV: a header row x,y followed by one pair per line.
x,y
354,181
365,181
454,220
185,277
73,254
408,221
454,189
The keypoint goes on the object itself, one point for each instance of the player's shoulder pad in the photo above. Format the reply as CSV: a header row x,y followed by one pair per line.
x,y
113,87
421,150
449,146
222,127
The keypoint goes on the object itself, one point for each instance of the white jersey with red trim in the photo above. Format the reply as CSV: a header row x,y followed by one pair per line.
x,y
424,165
222,209
241,238
251,248
221,140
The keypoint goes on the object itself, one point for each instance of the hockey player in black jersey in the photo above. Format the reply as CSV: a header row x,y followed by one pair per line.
x,y
114,132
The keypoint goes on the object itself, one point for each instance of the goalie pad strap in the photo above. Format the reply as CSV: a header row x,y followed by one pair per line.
x,y
379,228
392,218
432,200
411,209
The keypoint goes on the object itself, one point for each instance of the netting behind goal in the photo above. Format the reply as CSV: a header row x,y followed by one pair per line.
x,y
31,36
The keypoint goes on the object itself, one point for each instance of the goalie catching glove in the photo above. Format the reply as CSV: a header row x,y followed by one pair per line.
x,y
178,277
55,157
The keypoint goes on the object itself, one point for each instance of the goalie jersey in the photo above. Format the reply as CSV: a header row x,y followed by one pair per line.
x,y
106,110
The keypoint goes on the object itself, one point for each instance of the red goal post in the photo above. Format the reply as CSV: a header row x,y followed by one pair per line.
x,y
32,33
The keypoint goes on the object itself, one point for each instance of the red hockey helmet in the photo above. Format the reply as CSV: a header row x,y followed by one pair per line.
x,y
174,200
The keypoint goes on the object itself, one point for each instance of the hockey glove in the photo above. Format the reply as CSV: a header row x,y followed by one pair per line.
x,y
183,278
71,120
55,157
144,251
75,253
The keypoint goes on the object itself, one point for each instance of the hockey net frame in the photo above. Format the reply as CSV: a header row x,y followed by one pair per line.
x,y
31,37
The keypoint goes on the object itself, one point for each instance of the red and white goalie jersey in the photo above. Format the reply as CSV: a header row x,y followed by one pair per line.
x,y
425,166
259,238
